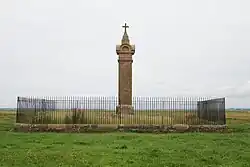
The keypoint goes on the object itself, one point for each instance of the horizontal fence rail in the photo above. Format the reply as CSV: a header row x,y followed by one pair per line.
x,y
103,110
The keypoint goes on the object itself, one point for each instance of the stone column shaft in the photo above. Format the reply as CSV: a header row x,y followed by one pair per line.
x,y
125,82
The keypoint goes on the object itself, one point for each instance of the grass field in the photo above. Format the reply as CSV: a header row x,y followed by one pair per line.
x,y
126,149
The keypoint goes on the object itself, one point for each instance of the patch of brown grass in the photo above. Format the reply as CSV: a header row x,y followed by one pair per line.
x,y
239,115
234,117
6,113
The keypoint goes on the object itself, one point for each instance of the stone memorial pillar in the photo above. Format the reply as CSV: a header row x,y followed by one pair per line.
x,y
125,51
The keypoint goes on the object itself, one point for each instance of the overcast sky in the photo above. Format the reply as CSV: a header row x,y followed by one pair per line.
x,y
183,48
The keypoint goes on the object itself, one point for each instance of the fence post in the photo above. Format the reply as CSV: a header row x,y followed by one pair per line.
x,y
18,110
224,111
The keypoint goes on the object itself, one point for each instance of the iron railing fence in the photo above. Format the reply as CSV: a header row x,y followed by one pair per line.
x,y
102,110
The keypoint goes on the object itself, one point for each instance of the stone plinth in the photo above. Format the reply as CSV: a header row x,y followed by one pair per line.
x,y
84,128
124,109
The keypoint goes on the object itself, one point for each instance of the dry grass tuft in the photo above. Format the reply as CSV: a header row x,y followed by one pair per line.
x,y
234,117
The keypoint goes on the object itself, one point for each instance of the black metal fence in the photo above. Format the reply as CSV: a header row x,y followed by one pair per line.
x,y
102,110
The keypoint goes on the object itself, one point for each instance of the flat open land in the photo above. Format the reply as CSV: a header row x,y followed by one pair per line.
x,y
126,149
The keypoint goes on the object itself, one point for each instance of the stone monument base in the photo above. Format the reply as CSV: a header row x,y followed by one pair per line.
x,y
124,109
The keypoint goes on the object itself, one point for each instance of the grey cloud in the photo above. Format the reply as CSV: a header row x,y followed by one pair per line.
x,y
184,48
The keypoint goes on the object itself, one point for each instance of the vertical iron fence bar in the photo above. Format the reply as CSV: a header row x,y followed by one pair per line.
x,y
89,108
189,104
96,100
116,103
224,111
34,119
23,104
105,115
197,106
142,110
109,115
43,108
20,106
59,100
163,114
155,116
69,108
192,112
170,114
53,107
149,110
218,105
151,115
163,111
174,111
59,109
92,109
182,111
136,119
30,113
18,110
137,104
145,109
64,110
170,110
158,110
89,103
79,106
27,110
84,106
184,119
188,110
102,110
46,110
206,109
203,110
99,102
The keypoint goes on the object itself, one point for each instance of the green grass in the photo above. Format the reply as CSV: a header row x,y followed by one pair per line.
x,y
126,149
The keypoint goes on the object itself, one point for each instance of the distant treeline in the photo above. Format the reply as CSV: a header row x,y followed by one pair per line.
x,y
7,109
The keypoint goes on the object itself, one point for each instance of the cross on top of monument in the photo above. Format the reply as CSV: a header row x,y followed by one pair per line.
x,y
125,38
125,27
